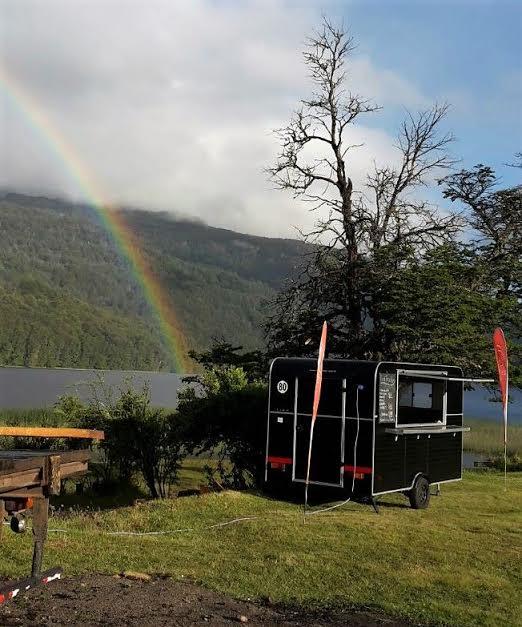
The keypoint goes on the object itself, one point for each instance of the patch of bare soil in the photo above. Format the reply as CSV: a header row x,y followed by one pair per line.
x,y
105,600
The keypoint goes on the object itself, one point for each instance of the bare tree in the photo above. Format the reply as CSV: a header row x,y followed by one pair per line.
x,y
314,161
315,164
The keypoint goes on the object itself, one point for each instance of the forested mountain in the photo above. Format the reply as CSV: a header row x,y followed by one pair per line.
x,y
68,297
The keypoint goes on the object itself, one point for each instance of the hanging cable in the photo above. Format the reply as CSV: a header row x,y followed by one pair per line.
x,y
327,509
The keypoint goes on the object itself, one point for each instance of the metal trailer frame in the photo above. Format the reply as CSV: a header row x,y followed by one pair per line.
x,y
27,479
449,426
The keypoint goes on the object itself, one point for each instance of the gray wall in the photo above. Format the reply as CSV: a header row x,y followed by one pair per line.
x,y
26,388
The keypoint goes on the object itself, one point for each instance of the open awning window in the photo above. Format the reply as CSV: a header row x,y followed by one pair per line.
x,y
420,401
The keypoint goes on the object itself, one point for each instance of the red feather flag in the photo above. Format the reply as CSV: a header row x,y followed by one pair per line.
x,y
501,355
317,398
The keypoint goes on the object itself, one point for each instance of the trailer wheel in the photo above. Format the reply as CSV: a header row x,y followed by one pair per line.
x,y
419,495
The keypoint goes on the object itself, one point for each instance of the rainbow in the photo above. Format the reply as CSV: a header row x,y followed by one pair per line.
x,y
113,220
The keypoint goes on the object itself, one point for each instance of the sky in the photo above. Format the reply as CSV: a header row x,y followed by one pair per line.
x,y
170,104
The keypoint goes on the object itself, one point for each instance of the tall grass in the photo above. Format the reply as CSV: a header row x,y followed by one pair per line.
x,y
30,417
488,437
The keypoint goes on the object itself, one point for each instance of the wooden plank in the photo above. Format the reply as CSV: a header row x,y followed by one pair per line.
x,y
21,479
51,432
17,461
80,453
22,493
11,466
73,468
35,476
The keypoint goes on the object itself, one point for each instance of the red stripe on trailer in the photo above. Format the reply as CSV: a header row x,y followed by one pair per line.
x,y
279,460
365,470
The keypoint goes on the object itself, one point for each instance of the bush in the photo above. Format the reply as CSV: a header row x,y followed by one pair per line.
x,y
514,463
147,439
225,414
138,437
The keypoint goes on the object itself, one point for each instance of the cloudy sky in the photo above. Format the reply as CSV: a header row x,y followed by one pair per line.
x,y
169,104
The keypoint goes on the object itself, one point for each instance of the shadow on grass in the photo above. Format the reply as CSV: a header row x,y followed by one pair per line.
x,y
393,505
325,500
108,496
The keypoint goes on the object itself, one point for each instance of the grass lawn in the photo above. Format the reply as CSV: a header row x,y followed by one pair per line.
x,y
458,562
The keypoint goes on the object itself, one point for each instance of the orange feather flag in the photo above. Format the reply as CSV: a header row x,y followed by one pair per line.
x,y
501,355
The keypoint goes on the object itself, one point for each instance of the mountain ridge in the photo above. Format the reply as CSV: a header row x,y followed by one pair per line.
x,y
219,280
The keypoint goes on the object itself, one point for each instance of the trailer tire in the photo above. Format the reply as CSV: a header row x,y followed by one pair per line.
x,y
419,495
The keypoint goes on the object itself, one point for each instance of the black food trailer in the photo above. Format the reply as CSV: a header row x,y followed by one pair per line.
x,y
382,427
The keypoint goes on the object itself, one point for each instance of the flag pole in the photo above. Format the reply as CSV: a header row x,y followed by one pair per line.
x,y
308,470
505,427
315,408
505,450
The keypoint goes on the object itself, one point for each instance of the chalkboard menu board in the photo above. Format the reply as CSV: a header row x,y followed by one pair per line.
x,y
387,396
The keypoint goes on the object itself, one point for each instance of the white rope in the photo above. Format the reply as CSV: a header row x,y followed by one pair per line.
x,y
158,533
173,531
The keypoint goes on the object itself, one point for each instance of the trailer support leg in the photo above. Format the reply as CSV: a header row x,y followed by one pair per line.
x,y
40,522
2,517
375,505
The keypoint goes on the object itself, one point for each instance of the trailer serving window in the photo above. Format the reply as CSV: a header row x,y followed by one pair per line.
x,y
420,401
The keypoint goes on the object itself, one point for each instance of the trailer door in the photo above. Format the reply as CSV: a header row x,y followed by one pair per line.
x,y
326,467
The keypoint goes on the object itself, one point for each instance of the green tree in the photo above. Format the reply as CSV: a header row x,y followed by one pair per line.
x,y
225,414
355,228
394,276
223,354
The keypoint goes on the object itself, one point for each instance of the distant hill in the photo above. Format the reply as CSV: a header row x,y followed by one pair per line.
x,y
68,299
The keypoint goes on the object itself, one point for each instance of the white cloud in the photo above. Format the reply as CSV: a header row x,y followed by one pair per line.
x,y
169,105
386,86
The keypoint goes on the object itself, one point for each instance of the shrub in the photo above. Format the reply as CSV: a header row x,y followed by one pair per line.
x,y
138,437
225,414
514,462
147,439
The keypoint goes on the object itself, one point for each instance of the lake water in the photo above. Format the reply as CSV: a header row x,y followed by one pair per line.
x,y
26,388
40,387
469,459
478,405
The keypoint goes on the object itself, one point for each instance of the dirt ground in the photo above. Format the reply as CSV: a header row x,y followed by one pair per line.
x,y
106,600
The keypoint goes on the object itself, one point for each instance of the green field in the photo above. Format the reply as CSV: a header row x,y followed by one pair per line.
x,y
458,562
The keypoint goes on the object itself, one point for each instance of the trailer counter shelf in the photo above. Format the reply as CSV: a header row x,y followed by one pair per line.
x,y
382,426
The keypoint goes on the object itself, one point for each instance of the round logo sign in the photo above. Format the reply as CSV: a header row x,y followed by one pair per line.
x,y
282,387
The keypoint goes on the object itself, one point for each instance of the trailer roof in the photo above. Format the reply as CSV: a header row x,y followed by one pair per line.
x,y
359,362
